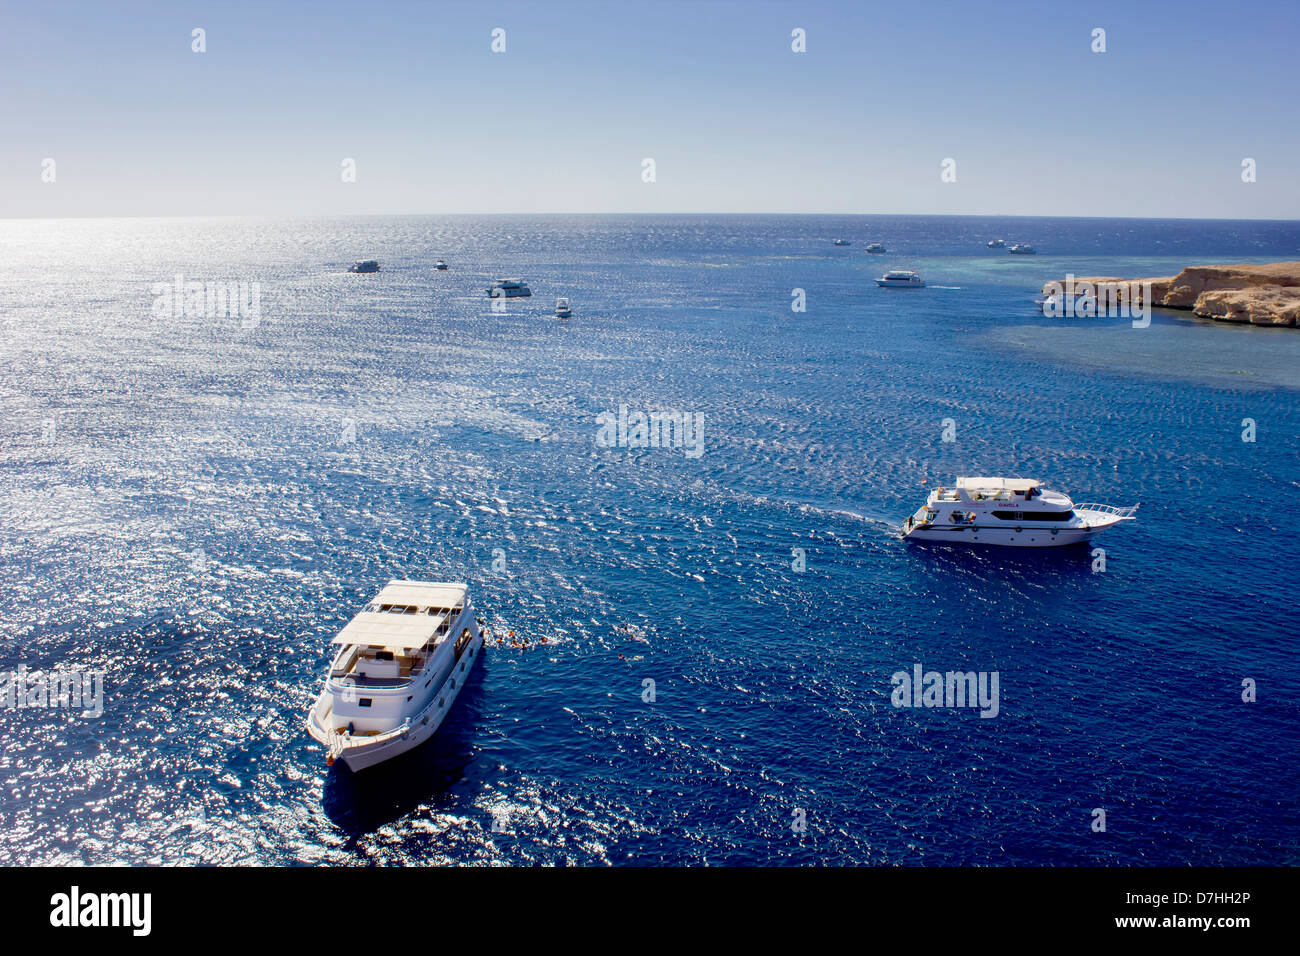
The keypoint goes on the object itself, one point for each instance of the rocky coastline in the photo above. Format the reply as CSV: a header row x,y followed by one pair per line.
x,y
1254,294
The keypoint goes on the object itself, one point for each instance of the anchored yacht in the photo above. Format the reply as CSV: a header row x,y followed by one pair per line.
x,y
877,248
1017,512
899,278
440,266
842,242
1023,249
398,667
508,289
562,309
996,243
364,265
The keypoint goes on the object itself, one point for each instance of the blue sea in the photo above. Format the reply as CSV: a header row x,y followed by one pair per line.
x,y
194,505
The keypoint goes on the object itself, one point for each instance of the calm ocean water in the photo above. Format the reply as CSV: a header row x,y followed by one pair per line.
x,y
196,507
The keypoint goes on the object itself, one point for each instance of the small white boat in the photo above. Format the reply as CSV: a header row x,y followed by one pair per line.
x,y
562,310
399,666
364,265
1014,512
440,265
842,242
877,249
900,278
1023,249
508,289
997,243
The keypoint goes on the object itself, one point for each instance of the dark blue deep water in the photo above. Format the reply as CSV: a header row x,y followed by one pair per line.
x,y
184,506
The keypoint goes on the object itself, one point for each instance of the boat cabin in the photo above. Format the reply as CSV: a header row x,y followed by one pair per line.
x,y
395,636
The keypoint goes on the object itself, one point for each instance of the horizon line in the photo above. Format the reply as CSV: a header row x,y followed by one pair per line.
x,y
919,215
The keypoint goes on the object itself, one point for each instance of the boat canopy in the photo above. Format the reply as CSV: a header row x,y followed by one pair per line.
x,y
996,484
405,615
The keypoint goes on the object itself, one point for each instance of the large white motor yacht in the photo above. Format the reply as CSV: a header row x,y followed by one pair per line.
x,y
399,665
900,278
1017,512
508,289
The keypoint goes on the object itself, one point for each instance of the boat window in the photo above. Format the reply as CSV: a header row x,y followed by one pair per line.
x,y
1034,515
409,610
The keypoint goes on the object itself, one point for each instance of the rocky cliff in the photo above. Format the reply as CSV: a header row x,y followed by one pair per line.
x,y
1261,295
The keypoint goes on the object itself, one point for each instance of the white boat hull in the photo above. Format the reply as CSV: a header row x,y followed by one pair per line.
x,y
1005,537
1083,528
362,752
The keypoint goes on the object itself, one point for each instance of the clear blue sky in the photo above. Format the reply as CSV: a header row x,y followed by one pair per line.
x,y
1038,123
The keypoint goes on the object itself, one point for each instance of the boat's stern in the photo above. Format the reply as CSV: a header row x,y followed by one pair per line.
x,y
922,518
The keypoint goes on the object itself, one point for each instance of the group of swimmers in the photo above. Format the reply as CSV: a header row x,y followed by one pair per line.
x,y
519,643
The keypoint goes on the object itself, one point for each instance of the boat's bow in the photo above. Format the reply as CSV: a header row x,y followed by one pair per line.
x,y
1098,517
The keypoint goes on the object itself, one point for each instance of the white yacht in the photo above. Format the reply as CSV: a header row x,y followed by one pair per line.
x,y
1023,249
399,665
899,278
562,310
440,266
364,265
996,243
842,242
508,289
1017,512
877,248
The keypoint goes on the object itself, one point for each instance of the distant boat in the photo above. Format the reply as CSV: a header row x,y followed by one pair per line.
x,y
562,310
508,289
842,242
440,265
997,243
364,265
1023,249
876,248
900,278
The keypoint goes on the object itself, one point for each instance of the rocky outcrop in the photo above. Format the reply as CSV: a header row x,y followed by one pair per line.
x,y
1262,305
1260,295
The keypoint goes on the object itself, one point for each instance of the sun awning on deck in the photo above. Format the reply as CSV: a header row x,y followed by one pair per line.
x,y
394,632
403,632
